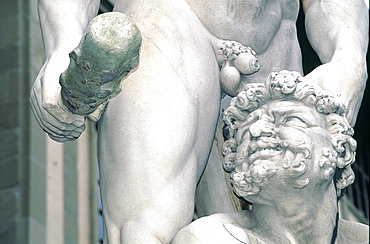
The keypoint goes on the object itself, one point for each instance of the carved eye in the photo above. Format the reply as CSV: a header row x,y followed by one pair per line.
x,y
294,121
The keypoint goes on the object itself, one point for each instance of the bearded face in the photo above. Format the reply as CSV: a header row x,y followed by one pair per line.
x,y
287,131
282,142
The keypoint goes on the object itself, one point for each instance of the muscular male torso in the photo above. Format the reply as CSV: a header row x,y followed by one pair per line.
x,y
250,22
268,26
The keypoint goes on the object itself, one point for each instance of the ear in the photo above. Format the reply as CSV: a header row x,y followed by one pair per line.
x,y
346,148
347,152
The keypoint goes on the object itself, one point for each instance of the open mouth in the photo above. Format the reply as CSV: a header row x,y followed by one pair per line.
x,y
265,153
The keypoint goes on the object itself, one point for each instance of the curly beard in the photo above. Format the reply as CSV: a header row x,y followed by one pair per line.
x,y
251,174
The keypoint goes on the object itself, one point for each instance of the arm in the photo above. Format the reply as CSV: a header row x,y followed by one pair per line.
x,y
203,230
63,23
338,31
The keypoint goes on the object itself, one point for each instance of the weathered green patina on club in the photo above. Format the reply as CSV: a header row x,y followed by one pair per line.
x,y
107,53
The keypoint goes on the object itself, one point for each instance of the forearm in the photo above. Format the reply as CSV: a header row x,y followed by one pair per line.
x,y
338,31
63,23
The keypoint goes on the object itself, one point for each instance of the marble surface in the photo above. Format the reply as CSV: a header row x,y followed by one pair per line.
x,y
289,151
157,135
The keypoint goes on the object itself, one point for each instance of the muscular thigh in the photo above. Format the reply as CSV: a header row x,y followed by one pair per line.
x,y
155,136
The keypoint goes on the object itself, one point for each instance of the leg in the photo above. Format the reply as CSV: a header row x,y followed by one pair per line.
x,y
155,137
214,193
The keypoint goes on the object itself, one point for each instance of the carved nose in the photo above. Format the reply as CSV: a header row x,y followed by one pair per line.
x,y
262,128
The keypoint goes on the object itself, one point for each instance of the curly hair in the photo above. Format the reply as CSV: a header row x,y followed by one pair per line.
x,y
292,86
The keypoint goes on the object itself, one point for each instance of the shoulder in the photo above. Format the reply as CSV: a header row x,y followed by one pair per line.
x,y
202,230
352,232
217,228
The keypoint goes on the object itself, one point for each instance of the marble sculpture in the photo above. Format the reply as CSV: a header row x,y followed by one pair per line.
x,y
155,75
